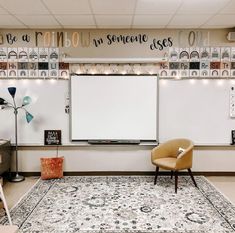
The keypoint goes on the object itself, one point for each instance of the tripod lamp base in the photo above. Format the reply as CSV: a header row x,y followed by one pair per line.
x,y
17,178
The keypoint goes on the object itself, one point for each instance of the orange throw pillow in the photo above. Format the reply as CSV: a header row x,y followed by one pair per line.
x,y
51,168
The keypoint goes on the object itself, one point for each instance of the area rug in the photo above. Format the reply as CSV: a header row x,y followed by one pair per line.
x,y
123,204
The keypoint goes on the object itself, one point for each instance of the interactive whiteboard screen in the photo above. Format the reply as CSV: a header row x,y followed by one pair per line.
x,y
113,107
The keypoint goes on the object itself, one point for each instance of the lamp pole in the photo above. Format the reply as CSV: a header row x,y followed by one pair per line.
x,y
17,177
29,117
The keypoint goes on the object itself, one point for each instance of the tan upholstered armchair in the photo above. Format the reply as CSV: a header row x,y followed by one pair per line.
x,y
173,155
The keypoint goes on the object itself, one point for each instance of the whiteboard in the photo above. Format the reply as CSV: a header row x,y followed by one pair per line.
x,y
48,109
195,109
113,107
199,110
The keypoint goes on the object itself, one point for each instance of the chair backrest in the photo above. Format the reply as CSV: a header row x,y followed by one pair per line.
x,y
183,142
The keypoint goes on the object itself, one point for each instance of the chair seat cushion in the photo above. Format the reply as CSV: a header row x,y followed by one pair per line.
x,y
166,163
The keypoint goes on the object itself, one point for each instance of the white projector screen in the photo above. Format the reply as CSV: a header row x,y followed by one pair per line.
x,y
113,107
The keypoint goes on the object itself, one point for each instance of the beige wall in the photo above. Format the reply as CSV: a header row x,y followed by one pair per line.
x,y
116,50
122,158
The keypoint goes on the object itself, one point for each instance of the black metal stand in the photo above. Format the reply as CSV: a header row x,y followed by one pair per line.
x,y
16,177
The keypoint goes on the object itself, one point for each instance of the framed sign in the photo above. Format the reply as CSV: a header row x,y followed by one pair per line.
x,y
52,137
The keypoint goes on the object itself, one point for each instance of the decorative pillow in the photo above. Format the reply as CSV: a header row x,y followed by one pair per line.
x,y
51,168
180,152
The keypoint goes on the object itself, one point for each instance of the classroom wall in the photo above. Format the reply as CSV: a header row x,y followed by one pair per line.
x,y
126,158
95,43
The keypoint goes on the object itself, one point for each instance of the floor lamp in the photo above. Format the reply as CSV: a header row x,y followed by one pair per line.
x,y
4,105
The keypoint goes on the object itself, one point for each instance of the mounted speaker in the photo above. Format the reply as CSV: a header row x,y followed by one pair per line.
x,y
231,36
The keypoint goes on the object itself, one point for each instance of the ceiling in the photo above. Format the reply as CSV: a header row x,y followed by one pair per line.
x,y
117,14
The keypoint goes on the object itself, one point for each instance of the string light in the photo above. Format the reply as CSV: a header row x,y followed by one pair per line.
x,y
93,71
66,77
177,77
25,81
123,69
163,82
52,81
205,81
38,81
11,82
78,71
220,82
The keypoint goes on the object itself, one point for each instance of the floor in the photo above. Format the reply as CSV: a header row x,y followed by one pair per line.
x,y
14,191
225,184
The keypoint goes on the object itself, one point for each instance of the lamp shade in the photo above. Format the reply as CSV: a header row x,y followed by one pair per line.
x,y
26,100
2,101
12,91
29,117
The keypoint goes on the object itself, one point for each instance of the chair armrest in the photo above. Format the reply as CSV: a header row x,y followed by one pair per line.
x,y
185,160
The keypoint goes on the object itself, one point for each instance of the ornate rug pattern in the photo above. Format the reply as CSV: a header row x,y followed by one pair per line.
x,y
123,204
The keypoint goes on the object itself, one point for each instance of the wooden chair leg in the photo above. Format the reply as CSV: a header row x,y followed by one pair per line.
x,y
156,174
171,174
176,181
191,175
